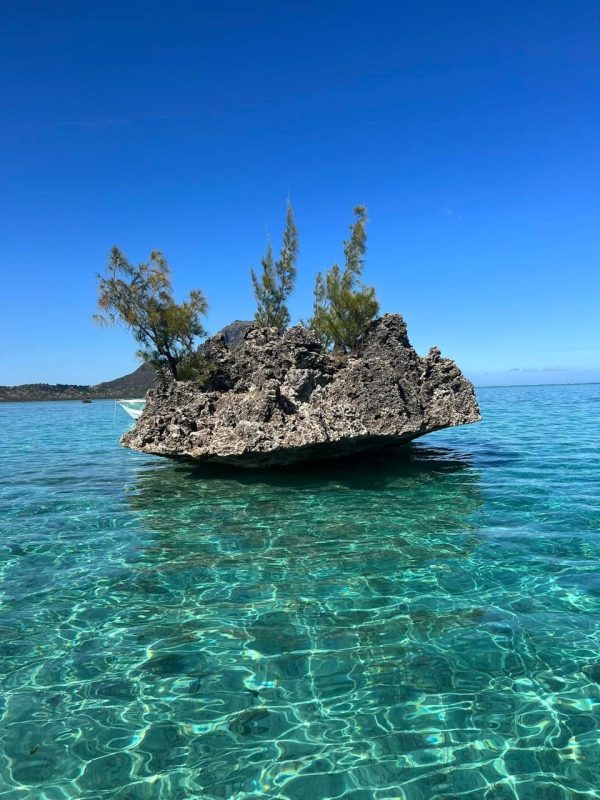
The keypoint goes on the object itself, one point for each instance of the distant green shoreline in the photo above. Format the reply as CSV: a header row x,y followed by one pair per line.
x,y
132,394
130,386
92,399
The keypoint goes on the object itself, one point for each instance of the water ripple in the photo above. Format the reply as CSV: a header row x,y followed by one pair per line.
x,y
422,626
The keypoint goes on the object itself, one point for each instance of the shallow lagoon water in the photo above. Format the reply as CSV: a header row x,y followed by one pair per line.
x,y
424,626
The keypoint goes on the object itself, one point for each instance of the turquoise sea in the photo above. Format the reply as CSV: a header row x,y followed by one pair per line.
x,y
423,626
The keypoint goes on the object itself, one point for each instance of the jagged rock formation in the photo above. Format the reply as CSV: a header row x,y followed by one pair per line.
x,y
280,399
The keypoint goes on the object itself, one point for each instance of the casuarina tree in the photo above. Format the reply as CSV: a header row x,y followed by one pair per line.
x,y
275,282
343,305
141,298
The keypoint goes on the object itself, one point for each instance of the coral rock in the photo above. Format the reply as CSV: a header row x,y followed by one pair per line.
x,y
281,399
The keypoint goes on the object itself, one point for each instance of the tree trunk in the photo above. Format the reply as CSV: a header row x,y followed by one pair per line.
x,y
172,362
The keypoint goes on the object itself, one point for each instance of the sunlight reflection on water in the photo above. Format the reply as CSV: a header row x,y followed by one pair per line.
x,y
424,625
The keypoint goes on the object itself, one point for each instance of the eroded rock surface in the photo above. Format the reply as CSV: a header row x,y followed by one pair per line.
x,y
280,399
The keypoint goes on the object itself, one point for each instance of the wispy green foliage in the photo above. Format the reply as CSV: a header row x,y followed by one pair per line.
x,y
141,298
343,305
276,281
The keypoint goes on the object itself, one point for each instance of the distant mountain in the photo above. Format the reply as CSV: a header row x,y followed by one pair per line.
x,y
235,332
136,384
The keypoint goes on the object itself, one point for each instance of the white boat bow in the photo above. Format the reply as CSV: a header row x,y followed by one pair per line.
x,y
132,407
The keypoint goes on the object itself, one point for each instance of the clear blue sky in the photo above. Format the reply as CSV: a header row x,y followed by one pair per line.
x,y
469,129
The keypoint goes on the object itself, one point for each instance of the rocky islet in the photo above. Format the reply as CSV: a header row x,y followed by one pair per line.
x,y
282,398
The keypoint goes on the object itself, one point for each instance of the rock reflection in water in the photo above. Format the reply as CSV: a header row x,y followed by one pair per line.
x,y
297,610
